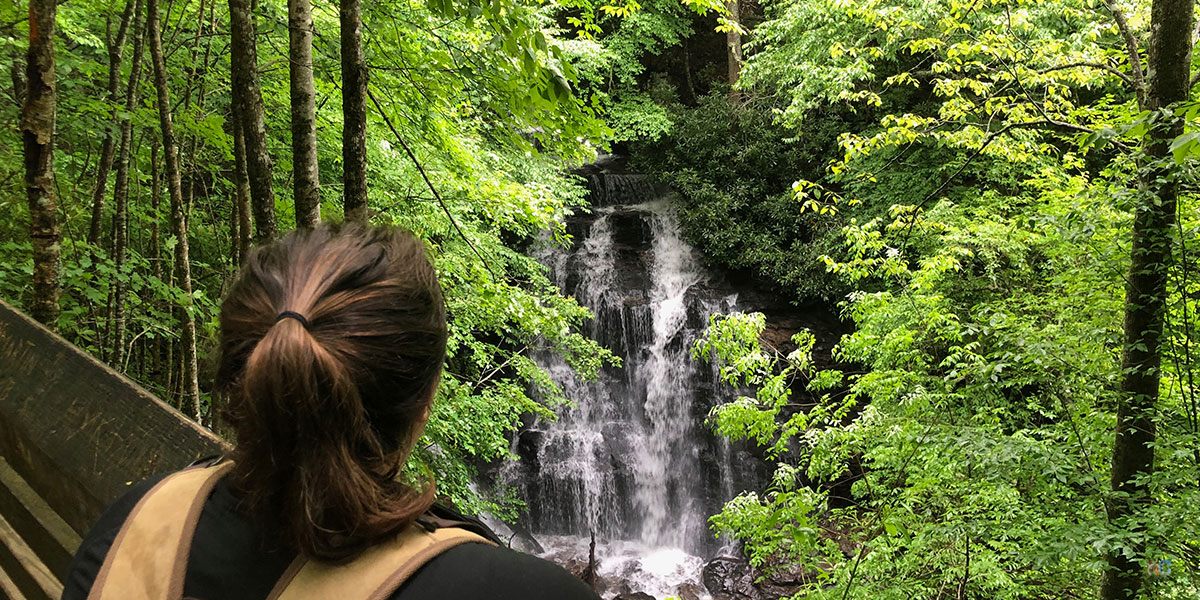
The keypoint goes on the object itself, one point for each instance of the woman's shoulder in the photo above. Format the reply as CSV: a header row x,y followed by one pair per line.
x,y
478,571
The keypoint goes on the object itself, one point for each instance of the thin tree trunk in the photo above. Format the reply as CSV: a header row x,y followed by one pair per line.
x,y
17,73
190,400
194,77
1145,297
733,43
242,194
235,257
115,49
121,191
248,110
305,173
354,113
198,78
689,89
37,133
156,269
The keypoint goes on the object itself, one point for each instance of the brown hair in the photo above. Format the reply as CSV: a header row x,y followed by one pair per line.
x,y
325,398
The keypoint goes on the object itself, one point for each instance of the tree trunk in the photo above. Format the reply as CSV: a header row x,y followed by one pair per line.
x,y
121,191
190,400
242,184
733,43
1145,296
235,219
689,88
156,268
17,73
354,113
115,49
198,80
248,110
305,174
37,133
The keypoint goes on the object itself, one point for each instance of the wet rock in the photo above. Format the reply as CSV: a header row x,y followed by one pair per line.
x,y
730,578
606,586
689,591
783,580
576,567
528,445
631,230
634,596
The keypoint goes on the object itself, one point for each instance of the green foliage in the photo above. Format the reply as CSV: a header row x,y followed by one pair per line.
x,y
982,194
486,97
612,72
733,168
980,421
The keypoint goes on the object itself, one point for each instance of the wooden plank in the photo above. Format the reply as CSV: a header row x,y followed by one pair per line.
x,y
8,589
50,537
78,432
31,577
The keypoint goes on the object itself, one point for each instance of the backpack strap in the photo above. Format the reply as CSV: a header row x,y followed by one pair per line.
x,y
148,559
376,573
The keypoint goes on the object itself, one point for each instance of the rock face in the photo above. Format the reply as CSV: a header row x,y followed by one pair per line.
x,y
689,591
728,578
784,581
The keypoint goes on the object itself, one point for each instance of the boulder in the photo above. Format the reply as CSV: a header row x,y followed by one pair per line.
x,y
782,578
731,578
634,596
606,586
689,591
576,567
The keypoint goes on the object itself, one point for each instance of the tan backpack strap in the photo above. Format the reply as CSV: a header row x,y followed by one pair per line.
x,y
148,560
376,573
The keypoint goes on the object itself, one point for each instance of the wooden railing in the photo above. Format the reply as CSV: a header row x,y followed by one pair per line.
x,y
74,434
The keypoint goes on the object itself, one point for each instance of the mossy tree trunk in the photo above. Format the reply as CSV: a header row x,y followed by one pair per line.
x,y
1145,296
37,134
354,113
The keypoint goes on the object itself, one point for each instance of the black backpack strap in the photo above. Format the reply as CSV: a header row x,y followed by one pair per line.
x,y
441,517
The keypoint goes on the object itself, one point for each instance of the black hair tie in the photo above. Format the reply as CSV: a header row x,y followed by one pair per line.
x,y
287,314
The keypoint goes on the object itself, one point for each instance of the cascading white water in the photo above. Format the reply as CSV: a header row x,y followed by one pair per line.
x,y
666,452
572,448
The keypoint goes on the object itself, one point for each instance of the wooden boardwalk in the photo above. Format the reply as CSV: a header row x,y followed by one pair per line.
x,y
74,434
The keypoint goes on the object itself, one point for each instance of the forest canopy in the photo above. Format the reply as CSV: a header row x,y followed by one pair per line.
x,y
998,197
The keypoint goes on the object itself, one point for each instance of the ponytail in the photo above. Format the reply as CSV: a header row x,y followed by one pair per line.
x,y
332,343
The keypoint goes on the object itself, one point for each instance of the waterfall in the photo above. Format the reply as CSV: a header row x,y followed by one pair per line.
x,y
667,452
631,459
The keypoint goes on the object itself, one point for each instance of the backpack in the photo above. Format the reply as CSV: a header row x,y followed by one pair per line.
x,y
148,559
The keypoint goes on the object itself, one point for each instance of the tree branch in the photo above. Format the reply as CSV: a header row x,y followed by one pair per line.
x,y
1131,48
429,183
987,141
1129,80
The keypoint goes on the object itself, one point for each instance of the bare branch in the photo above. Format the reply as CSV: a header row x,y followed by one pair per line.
x,y
1129,80
1131,48
987,141
429,183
